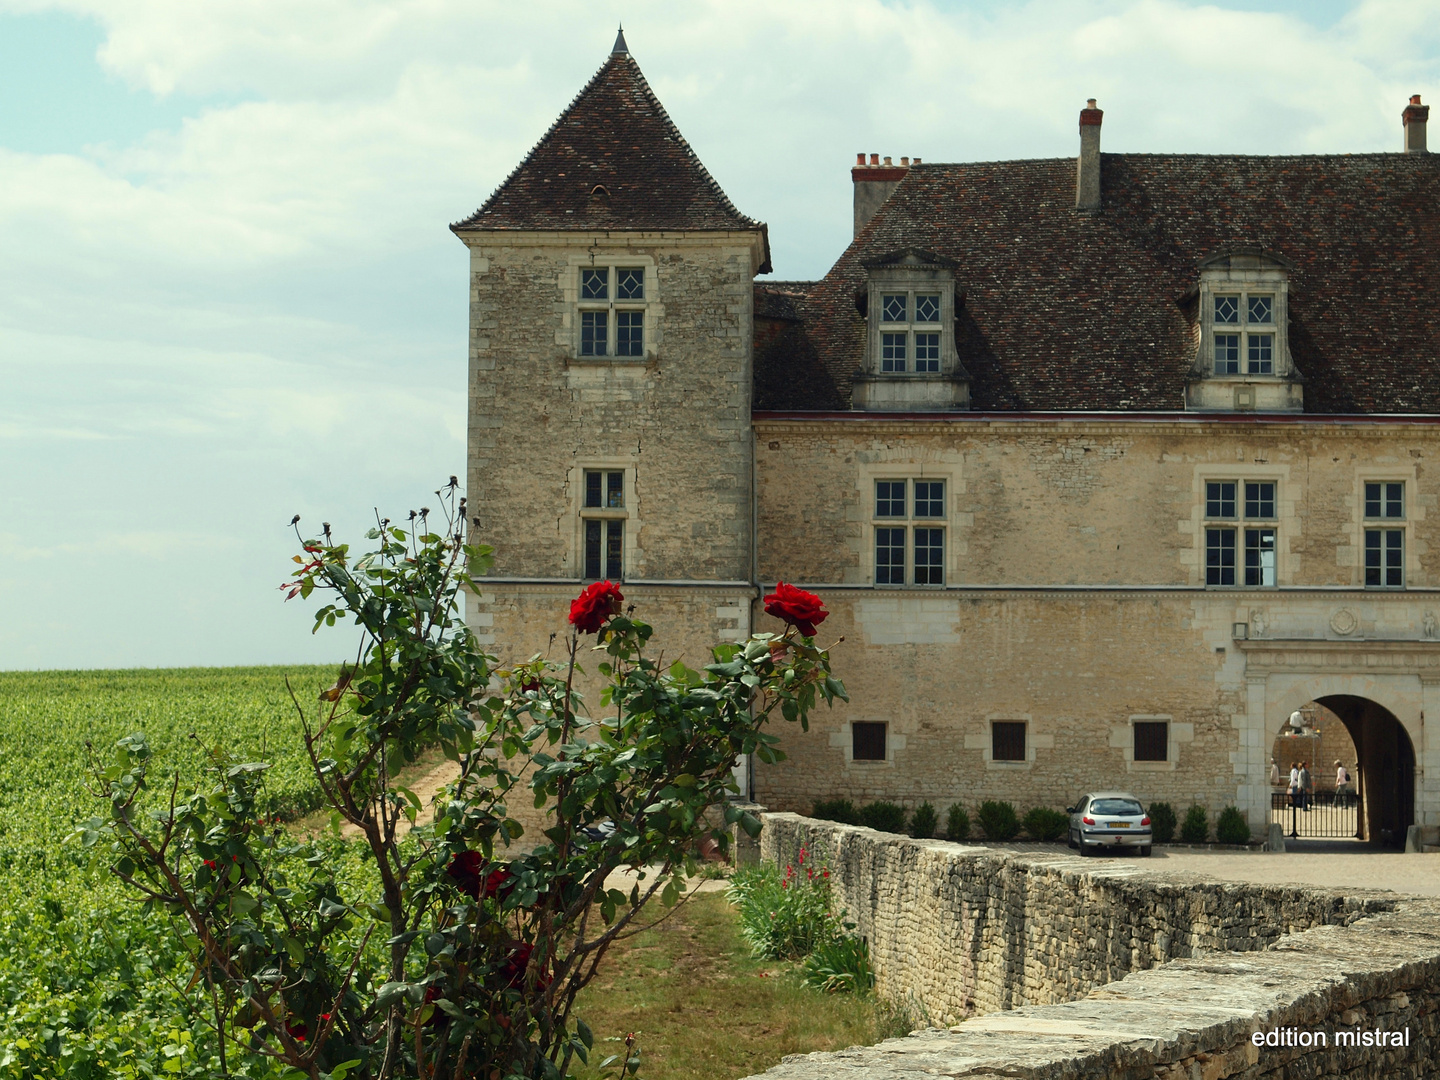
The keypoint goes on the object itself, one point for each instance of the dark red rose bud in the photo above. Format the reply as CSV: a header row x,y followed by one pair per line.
x,y
464,870
595,605
802,610
517,962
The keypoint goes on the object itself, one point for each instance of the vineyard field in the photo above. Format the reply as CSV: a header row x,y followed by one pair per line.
x,y
88,987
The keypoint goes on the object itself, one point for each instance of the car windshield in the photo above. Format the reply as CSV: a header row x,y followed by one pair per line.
x,y
1115,806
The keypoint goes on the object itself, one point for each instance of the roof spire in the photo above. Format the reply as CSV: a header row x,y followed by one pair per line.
x,y
620,49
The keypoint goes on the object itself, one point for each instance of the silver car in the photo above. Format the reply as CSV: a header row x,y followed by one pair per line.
x,y
1109,819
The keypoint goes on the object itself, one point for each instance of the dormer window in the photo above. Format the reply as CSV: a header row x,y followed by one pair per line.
x,y
911,362
910,332
1243,360
1255,331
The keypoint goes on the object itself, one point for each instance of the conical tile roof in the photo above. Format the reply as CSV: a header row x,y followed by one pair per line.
x,y
613,160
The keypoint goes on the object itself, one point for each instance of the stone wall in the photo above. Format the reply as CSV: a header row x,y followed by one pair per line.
x,y
1079,668
675,421
1075,601
1089,502
1117,970
962,929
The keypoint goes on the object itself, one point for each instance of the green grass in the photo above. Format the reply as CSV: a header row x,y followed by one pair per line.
x,y
704,1008
87,986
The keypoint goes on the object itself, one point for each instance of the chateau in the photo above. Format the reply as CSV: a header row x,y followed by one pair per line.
x,y
1103,466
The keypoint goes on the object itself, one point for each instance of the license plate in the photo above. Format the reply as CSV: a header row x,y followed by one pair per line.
x,y
1119,824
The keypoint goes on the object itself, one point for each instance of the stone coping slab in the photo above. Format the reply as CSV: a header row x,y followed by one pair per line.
x,y
1369,962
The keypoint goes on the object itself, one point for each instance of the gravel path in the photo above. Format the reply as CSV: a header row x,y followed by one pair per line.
x,y
1338,864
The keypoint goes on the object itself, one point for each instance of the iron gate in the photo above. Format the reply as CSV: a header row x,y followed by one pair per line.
x,y
1327,814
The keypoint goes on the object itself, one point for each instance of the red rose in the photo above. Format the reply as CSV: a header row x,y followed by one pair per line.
x,y
495,881
801,609
517,962
464,870
433,993
591,608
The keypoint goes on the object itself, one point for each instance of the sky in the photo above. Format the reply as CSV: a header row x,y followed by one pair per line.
x,y
229,294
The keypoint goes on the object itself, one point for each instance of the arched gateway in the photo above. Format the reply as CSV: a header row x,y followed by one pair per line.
x,y
1381,691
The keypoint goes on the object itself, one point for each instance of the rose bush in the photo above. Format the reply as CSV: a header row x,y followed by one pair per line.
x,y
454,954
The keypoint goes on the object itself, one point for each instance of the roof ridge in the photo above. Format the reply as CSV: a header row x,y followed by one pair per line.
x,y
1366,155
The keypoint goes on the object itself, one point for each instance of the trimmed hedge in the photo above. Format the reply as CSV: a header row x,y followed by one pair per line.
x,y
1196,829
884,816
923,821
1045,824
1162,822
998,820
1232,828
957,823
841,810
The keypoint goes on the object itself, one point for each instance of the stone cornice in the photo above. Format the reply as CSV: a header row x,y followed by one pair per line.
x,y
603,238
1089,423
1377,655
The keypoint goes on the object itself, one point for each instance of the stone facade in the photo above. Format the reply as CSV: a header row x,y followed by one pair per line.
x,y
1072,594
1075,601
1114,972
540,413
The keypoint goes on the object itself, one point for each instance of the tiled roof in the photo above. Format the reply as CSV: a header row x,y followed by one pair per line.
x,y
613,160
1094,310
788,371
781,299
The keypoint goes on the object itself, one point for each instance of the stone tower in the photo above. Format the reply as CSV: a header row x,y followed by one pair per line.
x,y
611,296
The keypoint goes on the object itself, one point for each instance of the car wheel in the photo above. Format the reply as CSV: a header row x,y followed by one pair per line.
x,y
1088,849
1144,851
1070,840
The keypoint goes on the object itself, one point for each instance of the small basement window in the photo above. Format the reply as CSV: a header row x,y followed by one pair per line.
x,y
1007,740
1152,740
867,741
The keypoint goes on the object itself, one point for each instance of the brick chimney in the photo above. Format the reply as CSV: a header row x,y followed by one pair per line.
x,y
1087,170
1414,118
873,184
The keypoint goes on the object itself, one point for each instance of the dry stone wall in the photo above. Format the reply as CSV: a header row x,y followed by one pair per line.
x,y
1118,971
964,929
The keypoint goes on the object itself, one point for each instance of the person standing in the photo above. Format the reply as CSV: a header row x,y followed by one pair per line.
x,y
1275,774
1305,785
